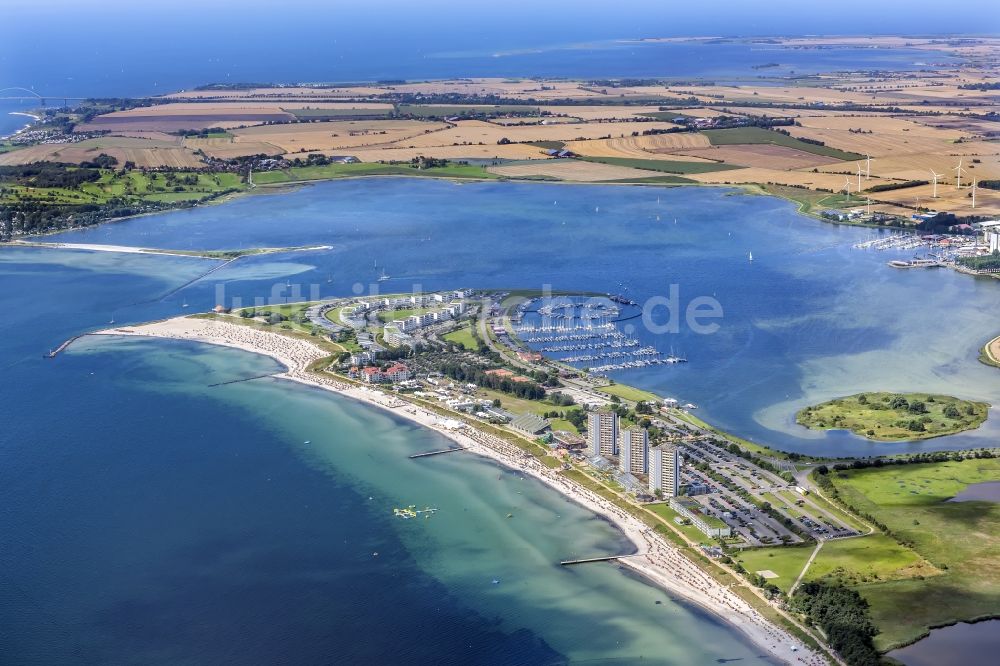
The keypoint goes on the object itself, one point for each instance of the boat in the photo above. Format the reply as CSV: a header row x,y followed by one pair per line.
x,y
184,304
383,277
750,255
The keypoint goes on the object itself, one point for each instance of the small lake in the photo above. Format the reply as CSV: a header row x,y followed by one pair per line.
x,y
967,644
988,491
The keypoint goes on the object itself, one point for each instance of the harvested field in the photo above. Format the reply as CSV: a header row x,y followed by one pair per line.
x,y
228,148
658,146
175,123
918,166
586,172
602,112
885,142
832,182
513,151
762,155
475,131
74,153
336,135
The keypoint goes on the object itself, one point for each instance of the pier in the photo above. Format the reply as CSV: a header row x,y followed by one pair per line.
x,y
244,379
438,452
601,558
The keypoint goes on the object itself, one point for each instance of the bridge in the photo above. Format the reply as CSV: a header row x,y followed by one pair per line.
x,y
600,558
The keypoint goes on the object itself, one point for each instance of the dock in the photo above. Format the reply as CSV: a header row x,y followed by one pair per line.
x,y
601,558
244,379
438,452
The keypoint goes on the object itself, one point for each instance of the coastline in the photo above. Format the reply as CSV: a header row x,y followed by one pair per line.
x,y
656,560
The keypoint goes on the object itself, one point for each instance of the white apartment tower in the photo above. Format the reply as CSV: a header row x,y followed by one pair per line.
x,y
633,457
664,469
602,434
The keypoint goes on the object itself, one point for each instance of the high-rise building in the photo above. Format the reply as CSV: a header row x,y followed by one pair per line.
x,y
664,469
633,456
602,434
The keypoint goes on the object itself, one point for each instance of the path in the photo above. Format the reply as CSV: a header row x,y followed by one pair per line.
x,y
795,585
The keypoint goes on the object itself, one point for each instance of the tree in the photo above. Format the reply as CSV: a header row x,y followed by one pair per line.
x,y
951,411
862,399
898,402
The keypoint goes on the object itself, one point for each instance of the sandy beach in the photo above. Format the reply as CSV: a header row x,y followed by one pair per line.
x,y
656,559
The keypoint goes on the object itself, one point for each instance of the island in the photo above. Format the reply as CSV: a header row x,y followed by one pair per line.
x,y
893,417
990,353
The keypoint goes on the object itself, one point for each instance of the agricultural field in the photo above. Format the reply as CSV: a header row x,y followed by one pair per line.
x,y
169,153
961,539
330,171
667,166
572,170
758,135
765,155
342,137
657,146
891,417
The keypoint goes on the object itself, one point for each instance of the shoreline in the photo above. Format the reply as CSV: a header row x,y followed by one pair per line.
x,y
656,560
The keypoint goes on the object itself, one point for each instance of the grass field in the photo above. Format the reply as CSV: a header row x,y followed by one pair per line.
x,y
872,415
667,166
463,336
810,201
128,185
962,539
339,113
749,135
628,393
331,171
396,315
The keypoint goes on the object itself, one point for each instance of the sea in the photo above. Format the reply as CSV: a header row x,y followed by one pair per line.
x,y
152,515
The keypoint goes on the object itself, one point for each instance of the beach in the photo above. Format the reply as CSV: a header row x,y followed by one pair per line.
x,y
656,560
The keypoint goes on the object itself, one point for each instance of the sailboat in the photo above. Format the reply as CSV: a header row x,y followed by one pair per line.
x,y
750,255
184,304
383,277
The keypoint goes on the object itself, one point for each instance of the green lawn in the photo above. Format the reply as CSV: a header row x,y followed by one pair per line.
x,y
397,315
628,393
810,201
464,337
692,532
331,171
786,561
872,415
961,539
667,166
756,135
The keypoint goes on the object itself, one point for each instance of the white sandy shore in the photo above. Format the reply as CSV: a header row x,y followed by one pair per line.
x,y
128,249
657,560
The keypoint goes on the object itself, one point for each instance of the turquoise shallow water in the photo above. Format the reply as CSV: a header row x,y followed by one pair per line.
x,y
151,519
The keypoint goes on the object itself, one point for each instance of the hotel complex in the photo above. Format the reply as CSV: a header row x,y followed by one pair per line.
x,y
602,434
633,457
664,469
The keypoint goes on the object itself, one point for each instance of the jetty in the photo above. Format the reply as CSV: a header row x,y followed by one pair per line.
x,y
600,558
438,452
244,379
61,348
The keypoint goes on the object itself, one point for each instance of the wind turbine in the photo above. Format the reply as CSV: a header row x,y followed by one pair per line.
x,y
847,186
935,176
868,166
958,174
868,207
859,176
973,193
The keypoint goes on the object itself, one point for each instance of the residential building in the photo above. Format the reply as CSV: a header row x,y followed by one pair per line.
x,y
362,358
634,457
372,375
397,373
602,433
664,469
710,525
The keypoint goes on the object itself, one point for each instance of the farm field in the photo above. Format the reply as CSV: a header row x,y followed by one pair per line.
x,y
757,135
329,171
960,539
667,166
657,146
574,170
170,152
764,155
344,135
